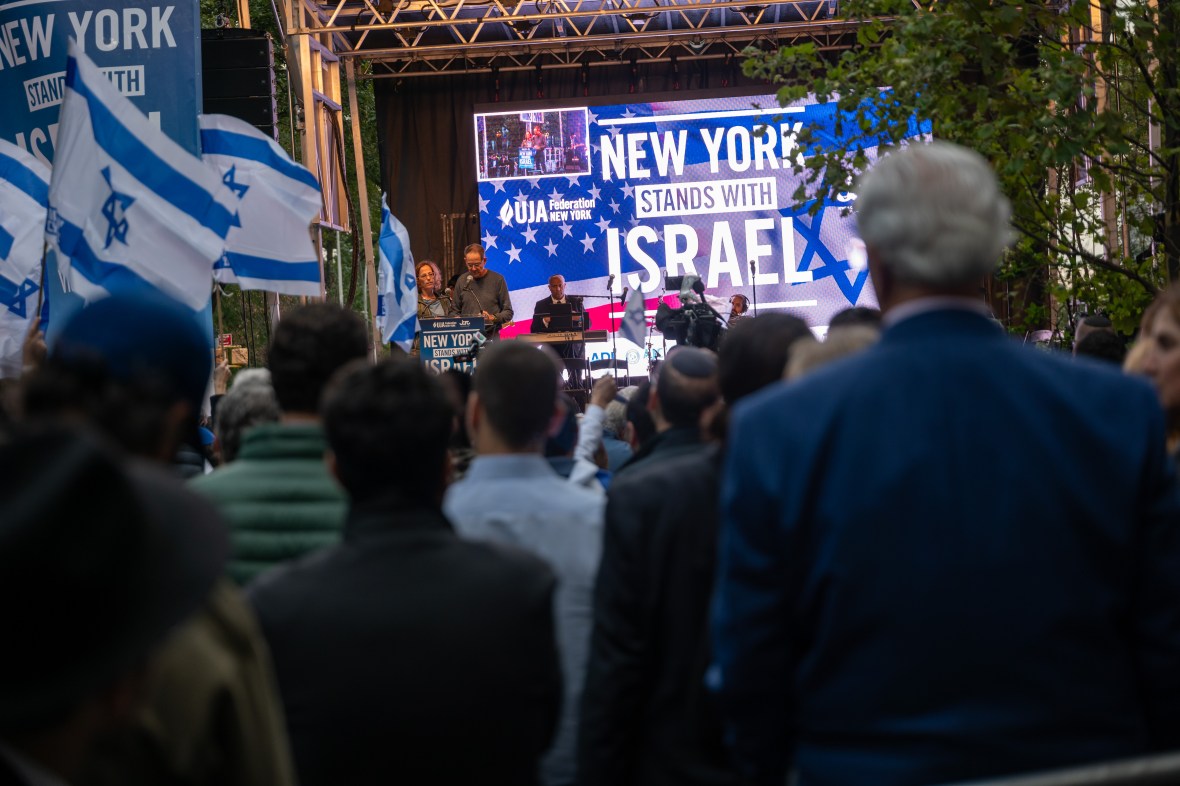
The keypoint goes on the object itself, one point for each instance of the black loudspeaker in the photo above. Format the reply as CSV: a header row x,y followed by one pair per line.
x,y
238,76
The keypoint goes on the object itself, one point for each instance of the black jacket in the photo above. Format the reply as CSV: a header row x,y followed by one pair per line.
x,y
646,716
573,349
408,655
676,441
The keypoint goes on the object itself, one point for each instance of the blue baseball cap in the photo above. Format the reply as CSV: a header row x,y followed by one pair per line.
x,y
142,334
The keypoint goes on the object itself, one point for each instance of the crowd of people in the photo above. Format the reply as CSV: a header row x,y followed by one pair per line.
x,y
913,553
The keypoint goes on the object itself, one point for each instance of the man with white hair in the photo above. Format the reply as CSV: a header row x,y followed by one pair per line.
x,y
920,580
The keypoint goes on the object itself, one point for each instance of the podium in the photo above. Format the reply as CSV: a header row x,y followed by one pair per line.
x,y
447,343
554,160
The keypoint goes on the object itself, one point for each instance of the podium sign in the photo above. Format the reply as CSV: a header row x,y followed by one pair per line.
x,y
447,343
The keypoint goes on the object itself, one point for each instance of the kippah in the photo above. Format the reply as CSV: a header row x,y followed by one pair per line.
x,y
693,362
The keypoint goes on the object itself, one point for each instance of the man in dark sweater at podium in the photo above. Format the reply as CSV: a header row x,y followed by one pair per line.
x,y
558,313
483,292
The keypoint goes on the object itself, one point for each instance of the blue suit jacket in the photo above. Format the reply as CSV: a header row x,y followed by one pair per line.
x,y
947,557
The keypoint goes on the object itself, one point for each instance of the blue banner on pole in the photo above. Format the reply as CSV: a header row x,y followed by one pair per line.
x,y
150,52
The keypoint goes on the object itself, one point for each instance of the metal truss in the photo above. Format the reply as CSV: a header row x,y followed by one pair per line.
x,y
424,37
659,48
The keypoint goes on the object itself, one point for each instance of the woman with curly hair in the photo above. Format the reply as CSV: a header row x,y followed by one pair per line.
x,y
433,303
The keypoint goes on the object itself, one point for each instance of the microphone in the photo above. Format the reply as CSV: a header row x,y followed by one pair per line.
x,y
448,293
624,298
751,267
610,282
467,288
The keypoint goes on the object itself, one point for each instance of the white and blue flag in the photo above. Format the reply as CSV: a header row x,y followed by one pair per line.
x,y
129,207
24,197
634,326
277,201
397,285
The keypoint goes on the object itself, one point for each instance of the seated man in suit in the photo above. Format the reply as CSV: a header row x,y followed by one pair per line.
x,y
558,313
922,577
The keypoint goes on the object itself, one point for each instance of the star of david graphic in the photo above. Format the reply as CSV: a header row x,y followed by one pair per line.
x,y
6,241
239,189
831,266
13,295
114,210
53,223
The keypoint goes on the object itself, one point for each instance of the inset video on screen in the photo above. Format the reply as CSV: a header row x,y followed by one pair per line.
x,y
531,144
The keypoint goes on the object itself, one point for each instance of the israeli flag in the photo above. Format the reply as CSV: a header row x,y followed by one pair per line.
x,y
397,285
634,326
129,207
277,200
24,197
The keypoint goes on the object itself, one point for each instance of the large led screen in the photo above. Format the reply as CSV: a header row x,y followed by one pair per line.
x,y
630,194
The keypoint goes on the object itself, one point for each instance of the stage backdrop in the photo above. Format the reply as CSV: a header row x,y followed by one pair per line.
x,y
439,158
628,194
425,131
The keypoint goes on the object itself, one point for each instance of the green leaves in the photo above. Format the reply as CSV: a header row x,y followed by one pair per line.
x,y
1061,109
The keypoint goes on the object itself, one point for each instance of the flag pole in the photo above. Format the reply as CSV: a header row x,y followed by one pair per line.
x,y
362,191
220,324
44,278
31,358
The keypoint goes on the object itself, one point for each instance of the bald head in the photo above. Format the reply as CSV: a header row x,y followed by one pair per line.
x,y
557,287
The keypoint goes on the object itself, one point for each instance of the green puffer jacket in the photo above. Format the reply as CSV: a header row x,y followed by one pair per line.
x,y
278,498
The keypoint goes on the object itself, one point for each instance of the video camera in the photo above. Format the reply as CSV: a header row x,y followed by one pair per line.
x,y
694,323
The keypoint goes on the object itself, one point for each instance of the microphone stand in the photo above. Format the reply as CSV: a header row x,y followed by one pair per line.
x,y
753,287
577,306
487,329
651,360
614,340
